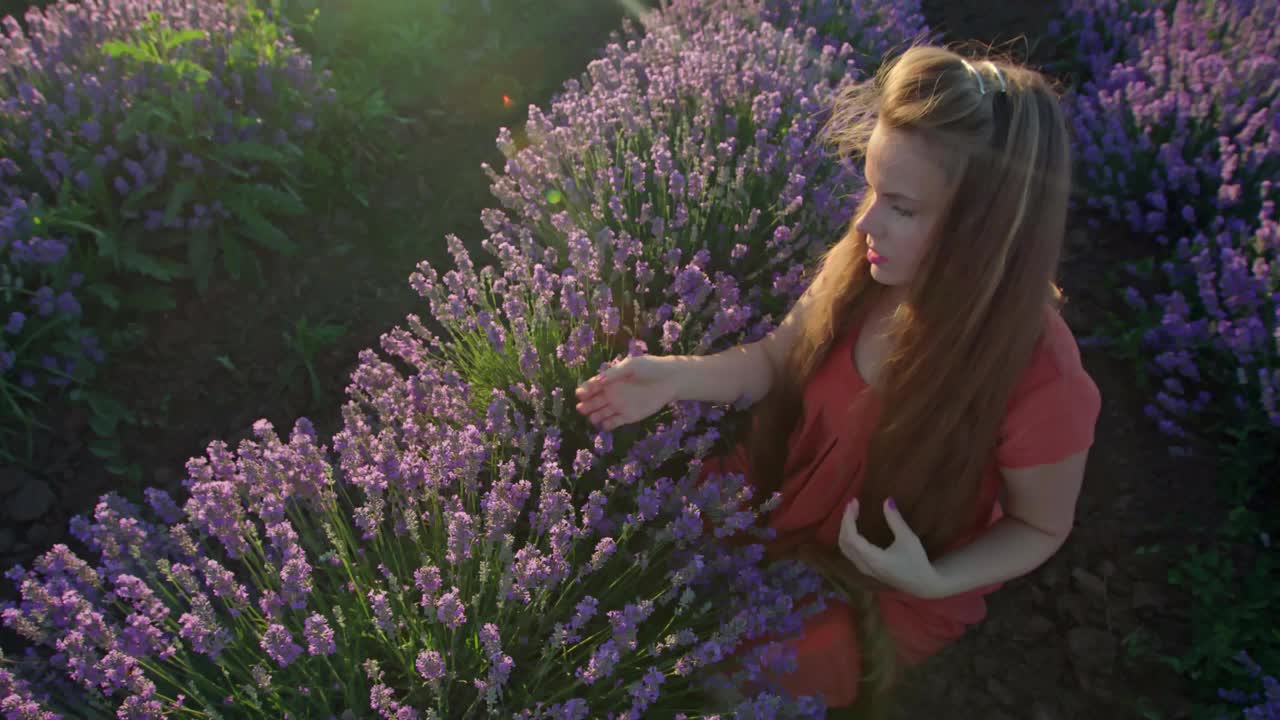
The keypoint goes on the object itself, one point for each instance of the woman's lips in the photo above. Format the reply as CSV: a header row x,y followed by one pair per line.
x,y
875,258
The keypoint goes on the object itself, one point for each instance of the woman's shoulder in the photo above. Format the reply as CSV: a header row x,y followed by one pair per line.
x,y
1056,355
1055,404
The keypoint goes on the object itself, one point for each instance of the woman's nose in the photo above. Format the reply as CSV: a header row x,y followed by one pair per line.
x,y
866,224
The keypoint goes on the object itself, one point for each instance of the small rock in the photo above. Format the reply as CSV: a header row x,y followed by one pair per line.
x,y
1088,582
31,501
1051,576
1091,648
1148,595
1073,607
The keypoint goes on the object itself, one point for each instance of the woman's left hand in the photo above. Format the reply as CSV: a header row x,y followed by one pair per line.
x,y
903,565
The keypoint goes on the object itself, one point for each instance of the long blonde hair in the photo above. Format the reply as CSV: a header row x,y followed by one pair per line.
x,y
975,309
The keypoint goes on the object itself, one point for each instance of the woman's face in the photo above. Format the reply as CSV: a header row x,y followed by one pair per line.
x,y
908,187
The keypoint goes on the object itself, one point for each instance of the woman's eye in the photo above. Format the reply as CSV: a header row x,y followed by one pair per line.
x,y
903,211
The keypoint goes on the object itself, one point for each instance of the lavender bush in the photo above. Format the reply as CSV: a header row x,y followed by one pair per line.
x,y
1096,35
1186,131
682,176
449,563
1211,333
172,130
1183,143
44,346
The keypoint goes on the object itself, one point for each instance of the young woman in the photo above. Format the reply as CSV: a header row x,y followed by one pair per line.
x,y
923,408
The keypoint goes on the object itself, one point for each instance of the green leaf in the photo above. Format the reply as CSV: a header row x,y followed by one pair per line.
x,y
278,200
57,222
151,299
256,152
104,449
200,259
117,48
178,198
107,406
233,253
260,229
103,426
151,265
183,37
108,294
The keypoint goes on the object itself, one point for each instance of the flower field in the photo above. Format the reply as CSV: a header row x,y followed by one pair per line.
x,y
258,207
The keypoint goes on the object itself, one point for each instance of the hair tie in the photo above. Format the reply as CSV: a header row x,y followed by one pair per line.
x,y
982,87
1004,88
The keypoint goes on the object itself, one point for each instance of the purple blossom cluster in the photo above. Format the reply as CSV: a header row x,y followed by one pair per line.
x,y
1261,705
17,701
154,121
1181,141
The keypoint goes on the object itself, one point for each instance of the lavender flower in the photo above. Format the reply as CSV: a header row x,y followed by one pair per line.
x,y
278,643
319,635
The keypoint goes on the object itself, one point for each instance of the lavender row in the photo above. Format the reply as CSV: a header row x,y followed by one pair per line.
x,y
1180,141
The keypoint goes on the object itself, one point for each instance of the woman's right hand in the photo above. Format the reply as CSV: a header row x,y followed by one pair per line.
x,y
628,392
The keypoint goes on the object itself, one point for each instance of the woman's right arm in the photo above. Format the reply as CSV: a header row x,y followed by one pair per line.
x,y
743,372
641,385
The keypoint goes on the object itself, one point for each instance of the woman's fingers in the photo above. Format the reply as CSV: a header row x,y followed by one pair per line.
x,y
593,404
601,415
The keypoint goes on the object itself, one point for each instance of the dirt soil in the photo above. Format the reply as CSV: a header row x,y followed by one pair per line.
x,y
1053,647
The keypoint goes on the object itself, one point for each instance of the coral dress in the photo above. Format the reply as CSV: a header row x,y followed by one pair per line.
x,y
1051,414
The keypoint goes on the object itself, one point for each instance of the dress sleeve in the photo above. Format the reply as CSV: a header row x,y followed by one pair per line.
x,y
1051,421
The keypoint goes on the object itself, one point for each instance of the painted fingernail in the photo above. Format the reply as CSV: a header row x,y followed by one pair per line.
x,y
893,505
